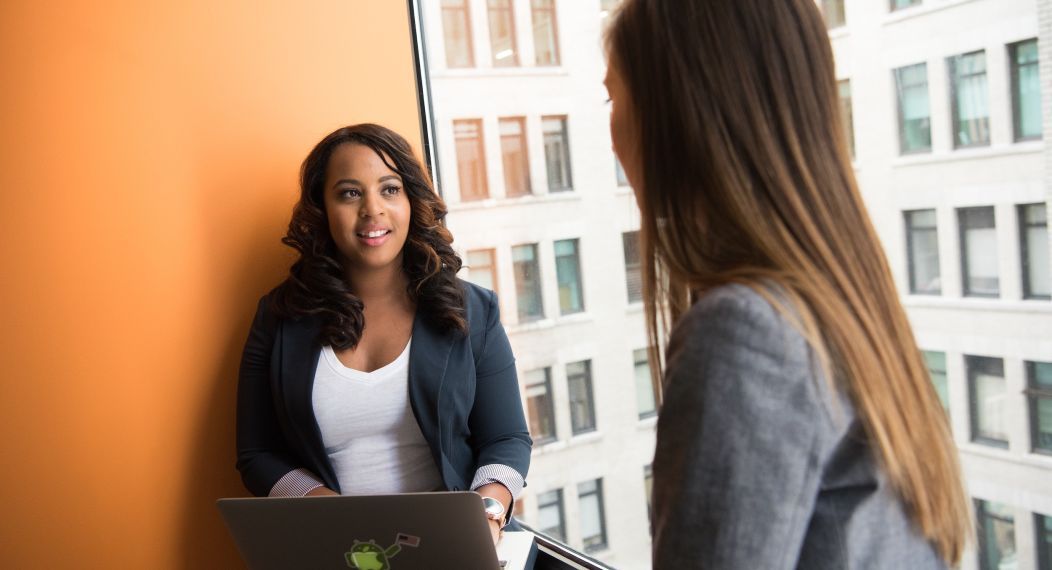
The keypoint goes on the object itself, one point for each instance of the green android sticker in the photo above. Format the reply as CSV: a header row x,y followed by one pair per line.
x,y
369,555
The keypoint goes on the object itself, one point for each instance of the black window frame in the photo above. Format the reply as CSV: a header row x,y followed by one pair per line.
x,y
604,541
1013,72
590,424
911,229
1024,248
1043,540
981,513
955,79
524,317
913,4
962,240
578,274
559,502
1035,393
541,439
972,365
897,75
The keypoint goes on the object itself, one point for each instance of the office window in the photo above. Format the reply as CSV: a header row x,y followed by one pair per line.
x,y
645,397
545,32
833,10
1026,90
582,402
502,33
527,282
456,27
847,121
539,407
900,4
471,159
987,394
978,233
557,153
550,519
922,248
936,362
568,274
968,100
633,266
911,85
648,488
996,527
515,157
1039,392
622,178
593,519
607,8
1033,245
482,268
1043,525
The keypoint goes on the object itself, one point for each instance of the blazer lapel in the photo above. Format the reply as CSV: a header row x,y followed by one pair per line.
x,y
428,359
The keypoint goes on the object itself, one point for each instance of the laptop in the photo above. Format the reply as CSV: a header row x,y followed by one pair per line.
x,y
374,532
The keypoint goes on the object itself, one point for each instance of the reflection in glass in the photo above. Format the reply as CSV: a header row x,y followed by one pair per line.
x,y
911,84
568,275
1026,90
968,97
527,282
557,154
539,407
582,403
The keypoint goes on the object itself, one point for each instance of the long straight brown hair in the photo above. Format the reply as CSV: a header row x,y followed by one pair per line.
x,y
746,178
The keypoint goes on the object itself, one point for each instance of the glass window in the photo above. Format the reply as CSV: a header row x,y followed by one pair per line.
x,y
557,154
502,33
1033,240
922,252
593,519
545,32
1043,525
645,399
1026,90
622,178
456,27
482,268
900,4
911,85
987,394
550,520
979,251
633,266
471,159
968,99
847,121
515,157
833,10
936,362
539,406
648,488
527,282
1039,392
996,536
568,274
606,10
582,402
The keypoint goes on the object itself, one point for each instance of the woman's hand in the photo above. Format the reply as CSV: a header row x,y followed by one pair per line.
x,y
321,492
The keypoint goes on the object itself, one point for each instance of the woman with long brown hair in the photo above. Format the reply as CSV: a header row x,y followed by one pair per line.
x,y
799,427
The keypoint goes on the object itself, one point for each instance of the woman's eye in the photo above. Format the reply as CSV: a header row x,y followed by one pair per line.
x,y
391,190
350,193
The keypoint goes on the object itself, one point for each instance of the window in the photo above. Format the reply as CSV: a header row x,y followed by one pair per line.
x,y
539,405
968,99
482,268
648,488
833,10
900,4
922,252
979,251
516,160
607,8
622,178
527,282
502,33
645,398
456,27
582,403
550,520
545,32
1043,525
568,274
557,154
847,122
633,266
1026,90
936,362
911,85
471,159
987,393
1033,245
1039,392
593,519
996,535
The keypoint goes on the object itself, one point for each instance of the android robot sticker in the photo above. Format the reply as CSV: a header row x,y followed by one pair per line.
x,y
370,556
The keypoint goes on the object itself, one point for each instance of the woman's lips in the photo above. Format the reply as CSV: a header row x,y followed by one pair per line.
x,y
375,240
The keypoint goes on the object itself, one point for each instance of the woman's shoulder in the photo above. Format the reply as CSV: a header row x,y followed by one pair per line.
x,y
736,307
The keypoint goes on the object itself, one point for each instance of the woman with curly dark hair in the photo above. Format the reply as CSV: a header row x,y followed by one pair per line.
x,y
372,369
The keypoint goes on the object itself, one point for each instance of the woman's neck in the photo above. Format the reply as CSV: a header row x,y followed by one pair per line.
x,y
380,286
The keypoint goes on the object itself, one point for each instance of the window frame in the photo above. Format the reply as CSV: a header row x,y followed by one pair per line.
x,y
971,369
650,382
538,280
832,24
481,193
578,275
549,408
1024,248
604,542
636,265
913,4
510,14
846,107
560,503
1014,92
556,48
955,80
911,229
564,134
1043,540
590,424
899,87
966,290
1034,393
524,145
492,267
465,8
982,513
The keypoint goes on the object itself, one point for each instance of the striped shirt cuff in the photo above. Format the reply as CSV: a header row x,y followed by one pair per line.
x,y
296,483
497,473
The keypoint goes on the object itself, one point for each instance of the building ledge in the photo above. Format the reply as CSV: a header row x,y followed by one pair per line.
x,y
968,154
923,9
488,203
498,72
977,304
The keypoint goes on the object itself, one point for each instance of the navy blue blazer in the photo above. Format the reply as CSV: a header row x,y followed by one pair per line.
x,y
463,390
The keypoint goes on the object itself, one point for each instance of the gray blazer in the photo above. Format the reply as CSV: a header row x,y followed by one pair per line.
x,y
759,464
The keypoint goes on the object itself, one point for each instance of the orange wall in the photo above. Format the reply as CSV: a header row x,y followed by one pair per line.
x,y
148,162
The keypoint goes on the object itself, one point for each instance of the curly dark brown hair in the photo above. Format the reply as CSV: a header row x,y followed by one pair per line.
x,y
317,284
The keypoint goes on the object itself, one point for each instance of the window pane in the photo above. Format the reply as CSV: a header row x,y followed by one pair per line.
x,y
1026,90
936,362
1043,525
471,159
582,405
988,394
969,99
648,487
979,251
996,536
922,242
568,274
1033,225
557,154
514,156
482,268
914,114
550,514
456,27
622,178
833,10
502,33
593,525
545,32
1039,382
645,400
633,267
527,282
900,4
540,411
847,121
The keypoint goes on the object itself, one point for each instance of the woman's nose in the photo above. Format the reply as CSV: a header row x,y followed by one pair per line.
x,y
371,205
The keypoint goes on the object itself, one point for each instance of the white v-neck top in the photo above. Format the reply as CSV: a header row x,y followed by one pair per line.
x,y
369,431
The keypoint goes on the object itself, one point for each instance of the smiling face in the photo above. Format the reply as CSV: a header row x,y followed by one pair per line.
x,y
367,208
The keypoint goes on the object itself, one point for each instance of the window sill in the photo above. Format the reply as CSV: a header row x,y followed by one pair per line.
x,y
585,438
648,423
550,323
563,196
1022,148
491,72
574,318
1030,459
977,304
634,307
922,9
839,32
